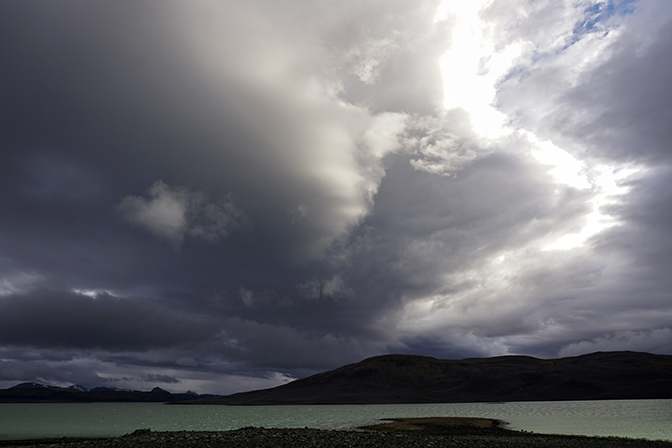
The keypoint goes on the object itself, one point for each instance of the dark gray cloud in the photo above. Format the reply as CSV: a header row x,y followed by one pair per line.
x,y
53,319
221,196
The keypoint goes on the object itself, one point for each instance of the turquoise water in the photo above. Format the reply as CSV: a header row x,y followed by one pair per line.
x,y
651,419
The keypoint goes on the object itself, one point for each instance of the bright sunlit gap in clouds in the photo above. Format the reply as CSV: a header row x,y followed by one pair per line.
x,y
471,69
472,66
607,188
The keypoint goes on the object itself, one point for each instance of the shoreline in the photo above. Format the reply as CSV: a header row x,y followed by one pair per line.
x,y
399,433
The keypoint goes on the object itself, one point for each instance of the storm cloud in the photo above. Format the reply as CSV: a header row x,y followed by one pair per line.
x,y
220,196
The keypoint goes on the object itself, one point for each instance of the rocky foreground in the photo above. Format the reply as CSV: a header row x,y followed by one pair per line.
x,y
314,438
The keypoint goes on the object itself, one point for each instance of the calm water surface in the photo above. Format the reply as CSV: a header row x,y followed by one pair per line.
x,y
651,419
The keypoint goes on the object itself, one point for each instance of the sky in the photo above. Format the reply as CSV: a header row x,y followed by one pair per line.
x,y
220,196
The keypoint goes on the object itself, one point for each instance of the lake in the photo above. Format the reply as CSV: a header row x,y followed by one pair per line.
x,y
651,419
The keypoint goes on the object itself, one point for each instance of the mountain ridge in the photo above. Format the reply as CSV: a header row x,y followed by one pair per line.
x,y
389,379
32,392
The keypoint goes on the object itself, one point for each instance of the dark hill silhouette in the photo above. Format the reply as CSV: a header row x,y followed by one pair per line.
x,y
421,379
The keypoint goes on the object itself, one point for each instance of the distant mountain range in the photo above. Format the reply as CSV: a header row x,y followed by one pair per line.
x,y
40,393
421,379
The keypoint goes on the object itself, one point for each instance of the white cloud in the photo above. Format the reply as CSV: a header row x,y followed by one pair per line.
x,y
174,213
94,293
12,283
442,148
163,214
382,137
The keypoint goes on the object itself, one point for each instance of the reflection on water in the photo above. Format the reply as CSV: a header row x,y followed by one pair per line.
x,y
651,419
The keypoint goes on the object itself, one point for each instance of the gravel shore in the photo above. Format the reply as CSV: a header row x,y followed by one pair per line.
x,y
314,438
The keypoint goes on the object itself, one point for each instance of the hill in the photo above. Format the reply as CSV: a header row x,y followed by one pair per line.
x,y
420,379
